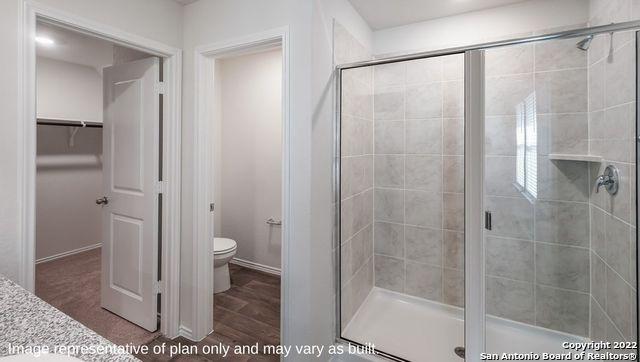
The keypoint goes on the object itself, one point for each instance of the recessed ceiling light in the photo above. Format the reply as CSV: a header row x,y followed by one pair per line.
x,y
43,40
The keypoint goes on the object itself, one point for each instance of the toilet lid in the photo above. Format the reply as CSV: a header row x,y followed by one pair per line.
x,y
221,245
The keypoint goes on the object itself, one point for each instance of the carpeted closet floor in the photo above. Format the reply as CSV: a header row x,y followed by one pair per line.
x,y
72,284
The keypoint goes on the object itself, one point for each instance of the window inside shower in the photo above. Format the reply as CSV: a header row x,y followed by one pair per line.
x,y
559,258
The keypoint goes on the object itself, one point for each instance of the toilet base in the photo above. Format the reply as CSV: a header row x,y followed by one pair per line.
x,y
221,279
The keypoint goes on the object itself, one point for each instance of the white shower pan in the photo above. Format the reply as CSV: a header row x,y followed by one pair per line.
x,y
418,330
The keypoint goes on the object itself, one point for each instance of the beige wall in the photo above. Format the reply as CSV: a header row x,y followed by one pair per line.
x,y
68,91
250,166
10,78
68,181
69,177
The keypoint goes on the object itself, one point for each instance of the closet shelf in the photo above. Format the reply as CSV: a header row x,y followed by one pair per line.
x,y
573,157
68,123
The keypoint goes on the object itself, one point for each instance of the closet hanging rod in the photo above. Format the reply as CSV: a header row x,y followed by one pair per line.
x,y
68,123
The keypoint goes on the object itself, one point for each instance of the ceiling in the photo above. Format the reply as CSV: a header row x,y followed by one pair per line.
x,y
382,14
79,48
74,47
185,2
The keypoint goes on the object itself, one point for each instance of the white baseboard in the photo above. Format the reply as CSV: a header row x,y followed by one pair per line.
x,y
255,266
185,332
67,253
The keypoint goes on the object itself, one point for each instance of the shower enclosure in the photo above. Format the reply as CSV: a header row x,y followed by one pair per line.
x,y
486,197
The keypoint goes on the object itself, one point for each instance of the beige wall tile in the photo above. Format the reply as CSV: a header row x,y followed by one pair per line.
x,y
423,245
389,239
424,101
424,136
389,205
562,267
562,310
424,281
509,258
561,91
389,273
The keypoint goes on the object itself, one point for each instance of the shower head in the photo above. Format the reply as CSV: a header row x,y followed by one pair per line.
x,y
585,43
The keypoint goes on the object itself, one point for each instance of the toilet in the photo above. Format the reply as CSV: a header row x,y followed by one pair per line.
x,y
223,250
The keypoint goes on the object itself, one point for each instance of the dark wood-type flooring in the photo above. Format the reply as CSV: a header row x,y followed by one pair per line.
x,y
72,284
246,314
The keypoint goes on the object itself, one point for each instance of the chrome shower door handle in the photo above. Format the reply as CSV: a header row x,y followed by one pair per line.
x,y
102,201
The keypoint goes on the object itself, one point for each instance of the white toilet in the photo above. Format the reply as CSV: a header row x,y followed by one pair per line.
x,y
223,250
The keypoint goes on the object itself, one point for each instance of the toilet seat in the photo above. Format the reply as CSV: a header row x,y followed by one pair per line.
x,y
223,245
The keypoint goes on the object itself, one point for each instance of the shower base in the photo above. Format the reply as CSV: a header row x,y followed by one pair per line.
x,y
418,330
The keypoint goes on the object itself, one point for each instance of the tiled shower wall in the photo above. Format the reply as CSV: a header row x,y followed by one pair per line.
x,y
418,178
356,246
612,112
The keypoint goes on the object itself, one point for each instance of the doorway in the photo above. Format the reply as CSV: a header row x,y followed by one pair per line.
x,y
262,245
247,193
92,243
157,73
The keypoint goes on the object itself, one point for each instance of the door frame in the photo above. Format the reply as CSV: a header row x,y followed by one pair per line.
x,y
171,145
205,57
474,168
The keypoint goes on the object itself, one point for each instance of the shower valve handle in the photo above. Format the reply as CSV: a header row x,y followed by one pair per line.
x,y
603,180
608,180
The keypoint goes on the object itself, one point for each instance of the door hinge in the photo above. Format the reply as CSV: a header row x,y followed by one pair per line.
x,y
487,220
161,187
212,207
158,287
160,88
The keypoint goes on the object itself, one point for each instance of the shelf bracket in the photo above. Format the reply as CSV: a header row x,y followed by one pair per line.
x,y
72,135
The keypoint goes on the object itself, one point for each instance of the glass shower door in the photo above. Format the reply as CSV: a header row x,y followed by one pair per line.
x,y
559,184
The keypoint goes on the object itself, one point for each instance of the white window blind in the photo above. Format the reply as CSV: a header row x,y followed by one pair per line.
x,y
527,147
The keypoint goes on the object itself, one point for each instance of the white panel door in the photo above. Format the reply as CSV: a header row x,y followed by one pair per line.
x,y
130,216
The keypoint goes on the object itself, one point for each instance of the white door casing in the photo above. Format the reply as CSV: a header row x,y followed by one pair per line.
x,y
130,179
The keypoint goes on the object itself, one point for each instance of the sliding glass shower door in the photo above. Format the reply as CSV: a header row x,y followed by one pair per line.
x,y
560,166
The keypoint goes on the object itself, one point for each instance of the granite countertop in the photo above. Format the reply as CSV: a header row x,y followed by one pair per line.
x,y
28,321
